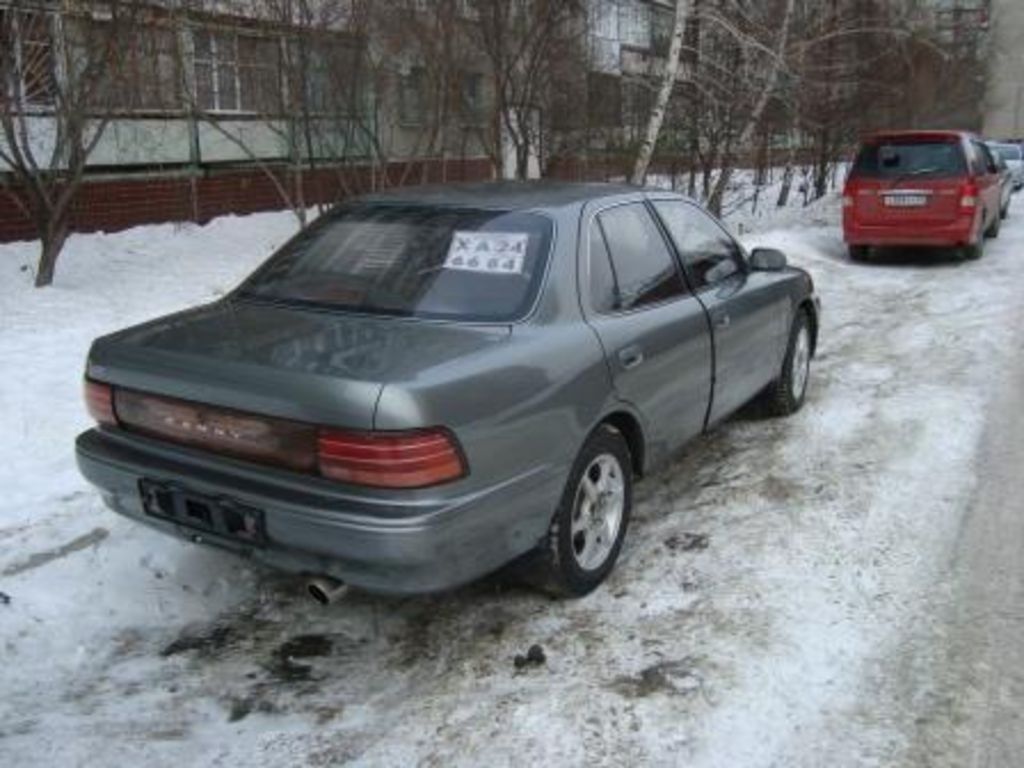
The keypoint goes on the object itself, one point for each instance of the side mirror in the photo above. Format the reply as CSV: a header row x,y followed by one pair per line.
x,y
767,260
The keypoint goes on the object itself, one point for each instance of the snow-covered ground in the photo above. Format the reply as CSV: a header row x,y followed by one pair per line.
x,y
769,584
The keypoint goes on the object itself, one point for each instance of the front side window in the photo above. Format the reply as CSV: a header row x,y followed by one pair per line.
x,y
708,252
412,261
644,268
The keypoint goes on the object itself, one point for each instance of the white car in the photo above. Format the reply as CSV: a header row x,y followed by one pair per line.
x,y
1013,154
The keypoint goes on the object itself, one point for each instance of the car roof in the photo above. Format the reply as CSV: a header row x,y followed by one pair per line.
x,y
923,135
505,194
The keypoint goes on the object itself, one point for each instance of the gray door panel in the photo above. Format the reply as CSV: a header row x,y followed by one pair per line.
x,y
660,359
747,310
654,332
748,319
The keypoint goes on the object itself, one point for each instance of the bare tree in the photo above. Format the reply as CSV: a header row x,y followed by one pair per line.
x,y
523,41
669,75
776,61
59,87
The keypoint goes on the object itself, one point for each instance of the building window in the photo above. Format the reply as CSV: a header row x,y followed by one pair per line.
x,y
635,24
472,89
637,103
259,74
604,93
236,73
604,19
28,61
151,71
326,78
412,102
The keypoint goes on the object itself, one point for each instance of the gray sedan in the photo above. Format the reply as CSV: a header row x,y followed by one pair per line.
x,y
425,386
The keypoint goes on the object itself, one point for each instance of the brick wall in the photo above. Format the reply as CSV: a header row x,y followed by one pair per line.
x,y
116,204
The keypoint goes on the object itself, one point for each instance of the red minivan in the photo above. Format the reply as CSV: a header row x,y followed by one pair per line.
x,y
921,188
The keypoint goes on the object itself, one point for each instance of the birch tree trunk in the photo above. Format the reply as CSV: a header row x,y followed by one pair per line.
x,y
668,82
763,100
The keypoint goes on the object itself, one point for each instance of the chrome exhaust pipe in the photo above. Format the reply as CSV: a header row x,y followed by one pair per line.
x,y
326,590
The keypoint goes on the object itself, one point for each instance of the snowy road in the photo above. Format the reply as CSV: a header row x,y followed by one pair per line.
x,y
841,588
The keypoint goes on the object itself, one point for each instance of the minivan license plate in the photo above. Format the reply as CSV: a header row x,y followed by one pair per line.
x,y
905,201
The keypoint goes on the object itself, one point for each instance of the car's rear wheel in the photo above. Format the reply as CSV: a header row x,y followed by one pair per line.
x,y
588,529
993,228
974,251
786,394
860,252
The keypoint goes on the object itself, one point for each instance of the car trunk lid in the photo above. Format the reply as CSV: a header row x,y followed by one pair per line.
x,y
319,367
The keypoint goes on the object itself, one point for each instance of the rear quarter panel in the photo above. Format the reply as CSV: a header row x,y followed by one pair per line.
x,y
523,407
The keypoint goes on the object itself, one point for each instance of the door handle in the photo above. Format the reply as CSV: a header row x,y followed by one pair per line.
x,y
631,357
723,320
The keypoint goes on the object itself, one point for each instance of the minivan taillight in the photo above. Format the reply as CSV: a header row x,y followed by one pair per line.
x,y
415,459
968,197
99,401
849,195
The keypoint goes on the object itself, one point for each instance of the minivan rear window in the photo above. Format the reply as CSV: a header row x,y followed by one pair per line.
x,y
412,261
910,159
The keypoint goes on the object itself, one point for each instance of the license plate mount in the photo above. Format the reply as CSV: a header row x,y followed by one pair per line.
x,y
906,201
215,515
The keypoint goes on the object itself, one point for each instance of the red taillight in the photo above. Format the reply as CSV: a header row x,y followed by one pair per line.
x,y
99,401
853,192
413,459
390,460
849,195
969,197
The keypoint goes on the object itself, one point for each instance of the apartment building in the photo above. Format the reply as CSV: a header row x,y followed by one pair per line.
x,y
218,108
1004,101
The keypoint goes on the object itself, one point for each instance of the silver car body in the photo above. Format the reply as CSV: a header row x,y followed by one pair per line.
x,y
520,397
1013,154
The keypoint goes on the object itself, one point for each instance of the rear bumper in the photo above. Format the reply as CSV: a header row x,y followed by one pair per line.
x,y
402,544
959,232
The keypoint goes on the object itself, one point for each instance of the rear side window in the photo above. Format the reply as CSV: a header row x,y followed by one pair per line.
x,y
644,269
604,293
910,158
412,261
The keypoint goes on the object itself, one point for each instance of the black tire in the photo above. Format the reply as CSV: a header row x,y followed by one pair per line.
x,y
780,399
993,229
860,252
974,251
556,568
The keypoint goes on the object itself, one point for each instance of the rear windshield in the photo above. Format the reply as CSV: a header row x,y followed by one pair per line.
x,y
412,261
902,159
1006,151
